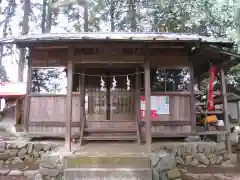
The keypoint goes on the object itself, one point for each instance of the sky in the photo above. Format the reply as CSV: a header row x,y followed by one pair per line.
x,y
63,26
10,62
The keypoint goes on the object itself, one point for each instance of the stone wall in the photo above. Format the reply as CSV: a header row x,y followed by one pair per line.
x,y
166,162
203,154
164,166
51,166
23,158
44,161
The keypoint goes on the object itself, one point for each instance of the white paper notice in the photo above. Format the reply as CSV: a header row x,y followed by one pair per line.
x,y
158,103
162,104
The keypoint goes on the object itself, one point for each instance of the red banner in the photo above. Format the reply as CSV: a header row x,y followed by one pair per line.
x,y
153,114
210,90
143,111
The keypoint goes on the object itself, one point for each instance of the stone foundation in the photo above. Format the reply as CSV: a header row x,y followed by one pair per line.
x,y
164,166
23,158
52,166
44,161
203,154
166,162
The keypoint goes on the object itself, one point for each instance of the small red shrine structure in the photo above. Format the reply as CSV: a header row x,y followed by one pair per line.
x,y
13,93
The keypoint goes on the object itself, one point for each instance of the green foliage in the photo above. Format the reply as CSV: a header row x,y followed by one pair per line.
x,y
170,80
42,80
219,18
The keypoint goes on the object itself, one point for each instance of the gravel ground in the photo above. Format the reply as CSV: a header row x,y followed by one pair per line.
x,y
216,176
13,178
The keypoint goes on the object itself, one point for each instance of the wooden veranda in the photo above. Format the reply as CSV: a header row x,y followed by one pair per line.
x,y
233,101
108,74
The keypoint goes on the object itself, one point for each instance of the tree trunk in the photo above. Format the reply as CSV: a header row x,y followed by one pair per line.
x,y
49,17
10,12
112,8
25,30
237,19
132,12
155,22
44,13
86,17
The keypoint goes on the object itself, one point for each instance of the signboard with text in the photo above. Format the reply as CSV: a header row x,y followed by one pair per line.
x,y
159,106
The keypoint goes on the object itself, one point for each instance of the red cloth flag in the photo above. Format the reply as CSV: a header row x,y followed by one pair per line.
x,y
210,89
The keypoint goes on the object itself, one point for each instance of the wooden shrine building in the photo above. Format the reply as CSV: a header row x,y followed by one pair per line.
x,y
122,86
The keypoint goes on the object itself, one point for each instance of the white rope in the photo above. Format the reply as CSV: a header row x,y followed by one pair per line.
x,y
99,75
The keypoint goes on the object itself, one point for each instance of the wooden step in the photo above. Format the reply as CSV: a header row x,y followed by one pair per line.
x,y
110,130
109,138
110,121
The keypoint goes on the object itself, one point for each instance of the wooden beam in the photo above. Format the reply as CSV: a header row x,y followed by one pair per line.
x,y
148,104
175,66
181,93
39,94
69,100
100,68
61,60
108,61
223,52
52,124
28,92
170,123
109,44
56,56
225,105
78,124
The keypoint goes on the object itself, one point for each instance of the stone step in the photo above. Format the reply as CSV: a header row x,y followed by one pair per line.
x,y
108,173
80,161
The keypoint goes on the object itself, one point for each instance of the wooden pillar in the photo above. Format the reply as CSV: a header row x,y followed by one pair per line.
x,y
82,88
238,112
148,128
137,103
225,105
69,100
108,97
17,111
193,100
28,92
82,94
